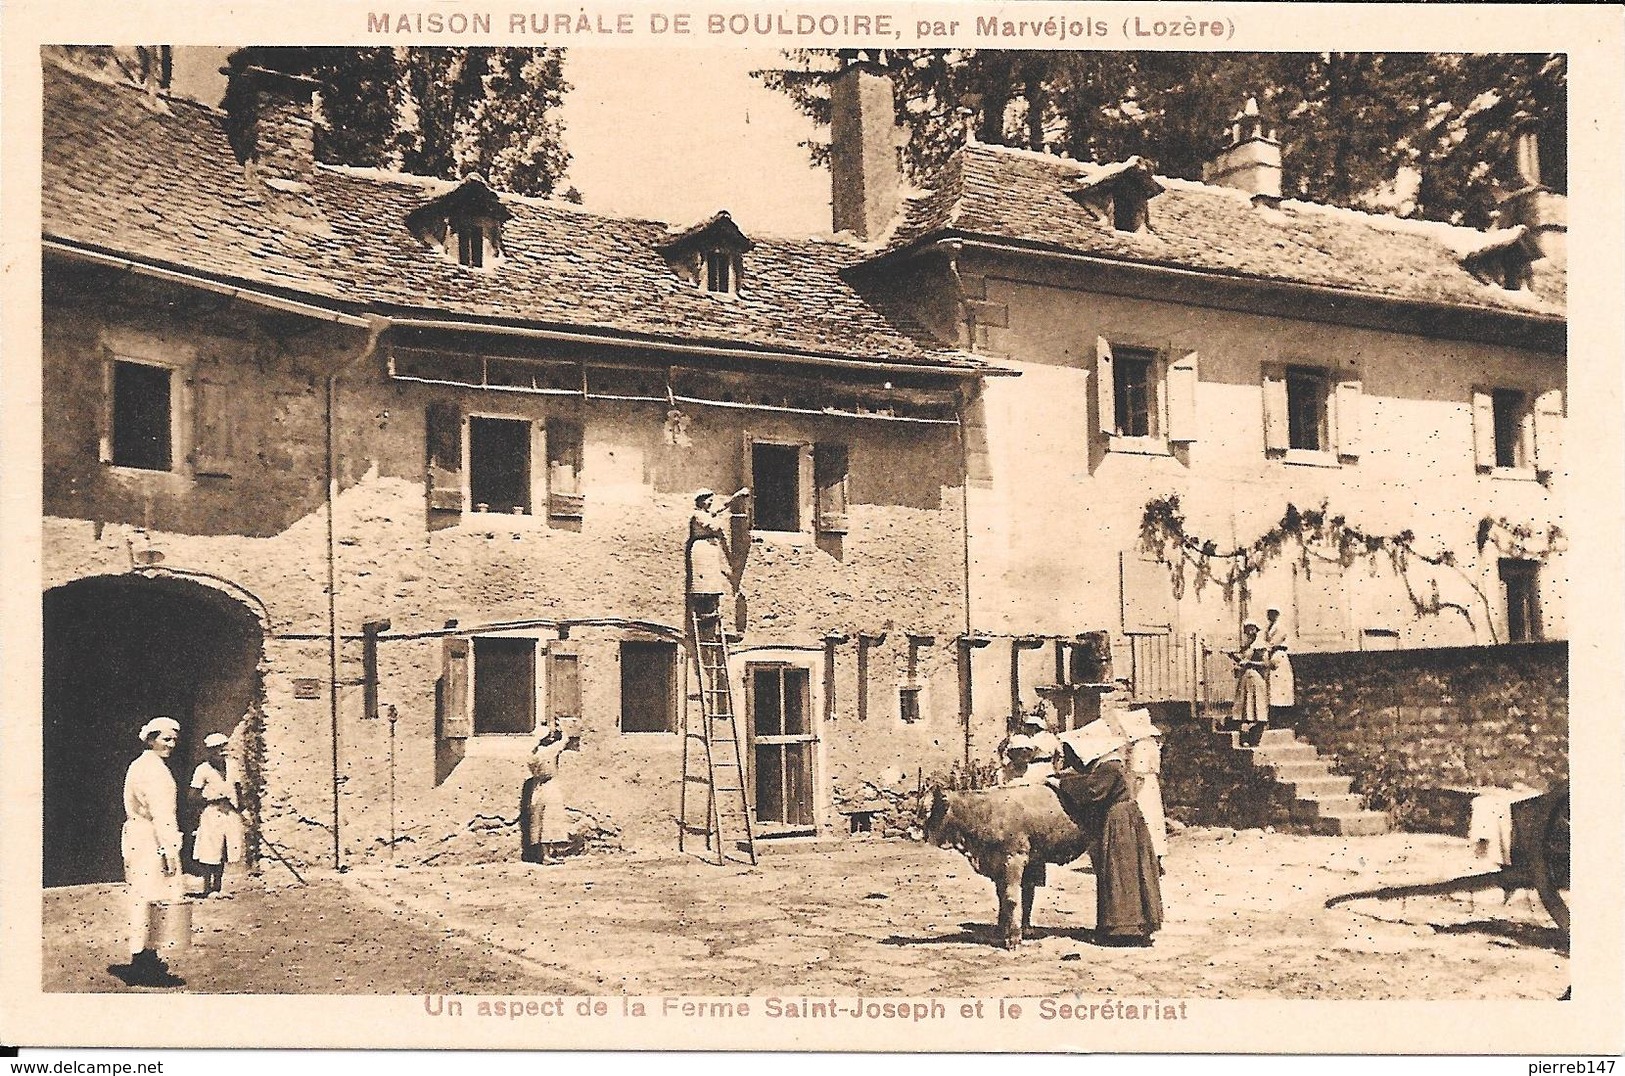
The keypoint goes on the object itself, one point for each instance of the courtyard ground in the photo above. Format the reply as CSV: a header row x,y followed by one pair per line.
x,y
1245,919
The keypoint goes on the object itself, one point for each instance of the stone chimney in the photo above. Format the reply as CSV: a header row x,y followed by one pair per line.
x,y
1250,160
865,184
271,121
1534,205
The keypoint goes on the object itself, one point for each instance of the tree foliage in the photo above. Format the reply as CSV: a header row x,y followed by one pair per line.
x,y
1420,134
436,111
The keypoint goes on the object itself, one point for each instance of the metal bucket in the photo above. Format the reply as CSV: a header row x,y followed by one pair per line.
x,y
169,924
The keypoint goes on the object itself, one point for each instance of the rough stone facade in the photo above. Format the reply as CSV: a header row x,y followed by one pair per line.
x,y
258,533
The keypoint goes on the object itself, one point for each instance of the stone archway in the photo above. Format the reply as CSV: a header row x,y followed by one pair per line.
x,y
117,651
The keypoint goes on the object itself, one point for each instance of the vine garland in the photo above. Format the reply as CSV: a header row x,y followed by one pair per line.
x,y
1163,532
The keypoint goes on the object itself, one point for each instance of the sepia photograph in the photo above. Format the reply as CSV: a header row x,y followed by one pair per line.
x,y
803,538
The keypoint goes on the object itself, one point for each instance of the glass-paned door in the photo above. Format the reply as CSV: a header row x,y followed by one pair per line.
x,y
783,742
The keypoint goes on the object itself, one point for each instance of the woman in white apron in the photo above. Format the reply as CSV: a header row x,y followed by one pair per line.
x,y
219,836
544,823
151,842
708,550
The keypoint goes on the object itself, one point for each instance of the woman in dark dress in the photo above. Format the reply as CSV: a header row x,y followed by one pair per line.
x,y
1128,894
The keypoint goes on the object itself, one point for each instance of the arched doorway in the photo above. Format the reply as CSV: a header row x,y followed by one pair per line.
x,y
117,651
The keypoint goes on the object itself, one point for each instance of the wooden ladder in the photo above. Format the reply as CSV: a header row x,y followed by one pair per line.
x,y
721,766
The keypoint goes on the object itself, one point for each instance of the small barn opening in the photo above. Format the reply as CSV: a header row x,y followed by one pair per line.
x,y
119,650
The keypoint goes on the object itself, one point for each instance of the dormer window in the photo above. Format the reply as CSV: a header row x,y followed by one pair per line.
x,y
1506,259
465,224
710,255
1119,193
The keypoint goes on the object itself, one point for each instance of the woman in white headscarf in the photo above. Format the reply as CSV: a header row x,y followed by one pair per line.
x,y
218,839
151,842
708,550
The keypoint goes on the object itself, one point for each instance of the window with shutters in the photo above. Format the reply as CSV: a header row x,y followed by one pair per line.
x,y
504,678
776,486
499,465
1145,399
140,415
1313,415
1516,432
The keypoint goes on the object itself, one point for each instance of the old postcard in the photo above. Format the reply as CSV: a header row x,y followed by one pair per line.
x,y
934,526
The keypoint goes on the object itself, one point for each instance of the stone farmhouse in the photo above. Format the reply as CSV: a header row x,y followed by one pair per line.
x,y
374,472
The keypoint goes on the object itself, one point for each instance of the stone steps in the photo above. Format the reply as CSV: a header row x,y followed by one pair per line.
x,y
1321,800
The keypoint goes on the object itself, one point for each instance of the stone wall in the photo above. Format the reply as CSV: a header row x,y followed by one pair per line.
x,y
1401,722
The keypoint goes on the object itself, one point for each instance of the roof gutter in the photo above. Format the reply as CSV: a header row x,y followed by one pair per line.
x,y
175,276
707,350
370,321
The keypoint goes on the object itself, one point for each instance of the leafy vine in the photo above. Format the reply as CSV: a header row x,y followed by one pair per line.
x,y
1322,535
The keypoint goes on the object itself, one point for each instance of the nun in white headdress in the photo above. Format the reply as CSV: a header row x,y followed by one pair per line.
x,y
1144,765
151,842
1094,788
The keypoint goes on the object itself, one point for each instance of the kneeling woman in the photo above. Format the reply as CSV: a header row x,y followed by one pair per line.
x,y
1094,788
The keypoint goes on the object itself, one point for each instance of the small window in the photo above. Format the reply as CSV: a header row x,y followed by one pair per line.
x,y
499,465
719,271
1134,391
142,414
504,685
776,486
1513,419
1520,583
648,687
908,702
1307,411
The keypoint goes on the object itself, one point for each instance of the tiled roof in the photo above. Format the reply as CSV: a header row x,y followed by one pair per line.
x,y
155,179
1019,195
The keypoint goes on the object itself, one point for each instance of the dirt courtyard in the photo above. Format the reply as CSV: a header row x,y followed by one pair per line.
x,y
1245,919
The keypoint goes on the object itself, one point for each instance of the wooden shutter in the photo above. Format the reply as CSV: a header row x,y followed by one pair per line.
x,y
564,686
1276,428
1147,594
1549,432
456,717
104,415
1321,604
564,451
747,478
1105,387
1483,430
1182,382
444,434
214,431
1349,417
806,488
830,472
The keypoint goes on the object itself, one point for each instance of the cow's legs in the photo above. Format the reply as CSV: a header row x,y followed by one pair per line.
x,y
1027,890
1013,901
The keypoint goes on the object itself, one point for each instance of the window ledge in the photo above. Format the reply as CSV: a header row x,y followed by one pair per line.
x,y
1514,474
1305,457
782,537
139,474
505,521
1139,446
500,745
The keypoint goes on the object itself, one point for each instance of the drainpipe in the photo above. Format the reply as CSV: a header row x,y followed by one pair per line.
x,y
375,329
967,692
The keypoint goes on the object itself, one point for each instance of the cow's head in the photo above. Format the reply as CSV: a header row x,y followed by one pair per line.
x,y
938,827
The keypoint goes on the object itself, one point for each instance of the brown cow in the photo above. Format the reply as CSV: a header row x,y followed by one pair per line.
x,y
1008,833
